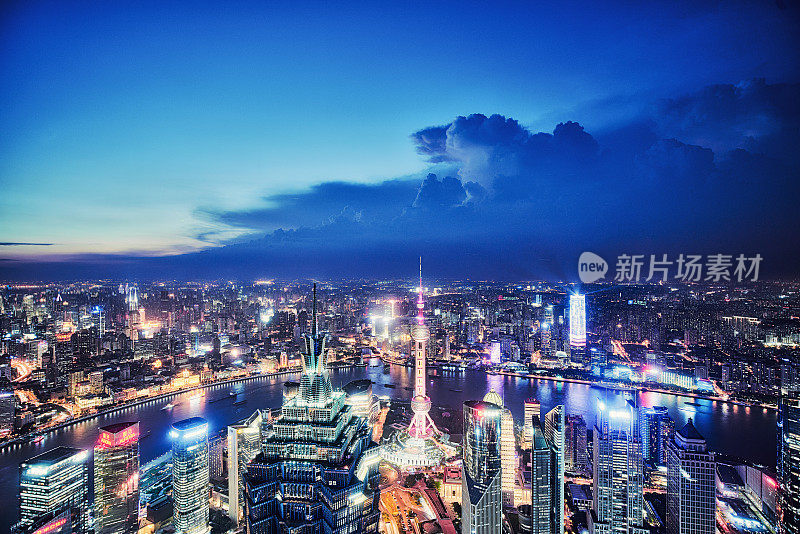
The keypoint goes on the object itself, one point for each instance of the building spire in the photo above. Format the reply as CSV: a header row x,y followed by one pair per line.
x,y
314,313
420,302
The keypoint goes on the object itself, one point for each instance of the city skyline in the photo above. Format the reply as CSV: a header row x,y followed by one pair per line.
x,y
294,136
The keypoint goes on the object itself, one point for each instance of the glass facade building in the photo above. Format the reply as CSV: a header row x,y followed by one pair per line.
x,y
116,479
481,491
691,490
52,481
318,469
190,476
618,472
789,463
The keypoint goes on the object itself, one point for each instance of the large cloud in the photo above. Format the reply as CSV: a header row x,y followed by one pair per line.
x,y
714,171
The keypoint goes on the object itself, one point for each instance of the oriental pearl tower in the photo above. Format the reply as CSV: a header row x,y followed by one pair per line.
x,y
421,444
421,426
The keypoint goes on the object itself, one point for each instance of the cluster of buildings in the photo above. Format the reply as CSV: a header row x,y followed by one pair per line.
x,y
313,464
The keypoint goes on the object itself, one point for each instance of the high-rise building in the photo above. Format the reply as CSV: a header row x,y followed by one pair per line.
x,y
789,462
190,476
481,491
216,453
116,479
318,469
618,472
8,405
577,321
532,409
541,481
244,444
508,447
554,434
575,459
691,493
657,429
54,480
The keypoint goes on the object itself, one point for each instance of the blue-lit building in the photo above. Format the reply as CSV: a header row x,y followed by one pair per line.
x,y
318,469
52,482
190,476
481,488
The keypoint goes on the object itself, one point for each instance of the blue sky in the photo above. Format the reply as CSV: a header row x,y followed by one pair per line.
x,y
153,130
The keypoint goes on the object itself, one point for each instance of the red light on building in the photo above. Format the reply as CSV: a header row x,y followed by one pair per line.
x,y
52,526
122,438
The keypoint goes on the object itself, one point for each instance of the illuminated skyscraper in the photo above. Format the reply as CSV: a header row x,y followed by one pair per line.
x,y
481,491
532,408
318,469
508,447
57,479
244,444
577,321
789,462
691,493
8,405
190,476
116,479
554,428
575,459
541,480
618,472
657,429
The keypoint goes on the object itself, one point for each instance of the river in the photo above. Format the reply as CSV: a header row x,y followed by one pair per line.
x,y
749,433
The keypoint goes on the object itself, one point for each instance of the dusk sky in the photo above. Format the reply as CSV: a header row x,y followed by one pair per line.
x,y
257,139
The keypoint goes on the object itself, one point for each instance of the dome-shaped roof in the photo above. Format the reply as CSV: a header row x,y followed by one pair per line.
x,y
493,397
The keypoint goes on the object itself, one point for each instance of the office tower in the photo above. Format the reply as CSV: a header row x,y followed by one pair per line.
x,y
618,472
116,479
244,444
789,462
54,480
508,448
656,428
691,493
546,330
190,477
8,406
216,453
541,480
575,460
481,486
577,321
532,408
554,434
318,469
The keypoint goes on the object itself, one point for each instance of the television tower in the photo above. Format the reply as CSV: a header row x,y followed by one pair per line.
x,y
421,425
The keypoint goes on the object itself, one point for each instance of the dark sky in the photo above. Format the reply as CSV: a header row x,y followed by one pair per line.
x,y
496,142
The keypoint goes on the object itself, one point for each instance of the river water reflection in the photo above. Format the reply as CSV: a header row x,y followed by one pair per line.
x,y
749,433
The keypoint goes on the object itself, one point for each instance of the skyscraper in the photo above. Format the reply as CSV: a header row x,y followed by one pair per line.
x,y
318,469
531,408
116,479
541,480
8,404
57,479
508,447
481,492
554,434
244,444
577,321
190,476
789,462
618,472
691,494
657,429
575,459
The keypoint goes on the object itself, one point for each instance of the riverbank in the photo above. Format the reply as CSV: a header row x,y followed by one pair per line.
x,y
31,436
